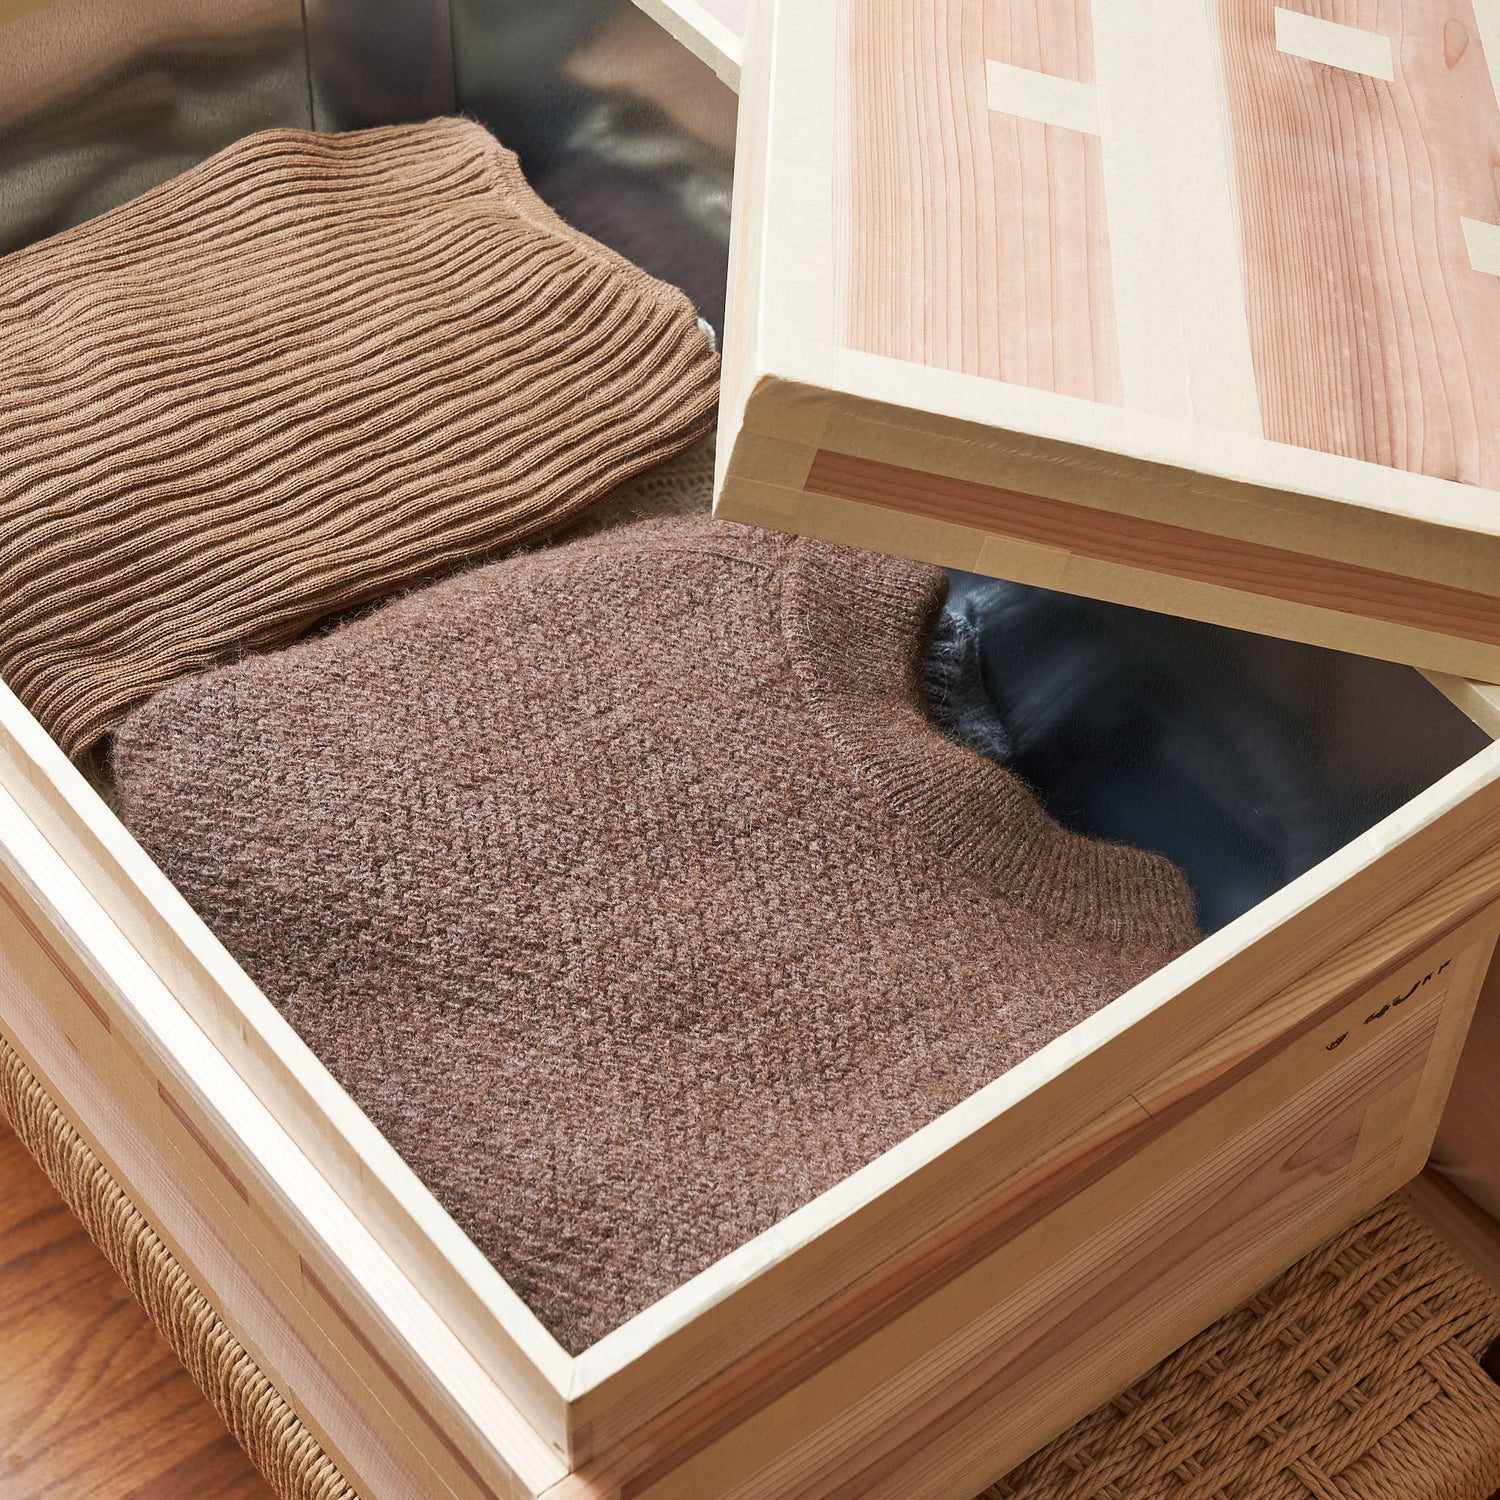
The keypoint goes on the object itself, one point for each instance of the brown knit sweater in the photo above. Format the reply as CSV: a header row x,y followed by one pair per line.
x,y
626,887
309,371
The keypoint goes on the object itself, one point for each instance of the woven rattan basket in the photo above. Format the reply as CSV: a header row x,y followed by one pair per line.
x,y
1353,1377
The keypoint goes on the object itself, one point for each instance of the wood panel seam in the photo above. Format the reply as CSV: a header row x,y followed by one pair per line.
x,y
1162,547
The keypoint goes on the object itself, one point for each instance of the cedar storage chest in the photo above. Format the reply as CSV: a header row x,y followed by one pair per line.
x,y
911,1333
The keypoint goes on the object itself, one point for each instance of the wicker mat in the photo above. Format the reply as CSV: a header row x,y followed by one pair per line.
x,y
1356,1376
1353,1377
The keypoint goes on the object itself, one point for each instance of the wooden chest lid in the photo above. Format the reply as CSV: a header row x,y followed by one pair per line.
x,y
1189,304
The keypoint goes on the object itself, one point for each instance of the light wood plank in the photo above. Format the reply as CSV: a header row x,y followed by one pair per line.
x,y
1156,547
1373,334
977,236
281,1072
238,1205
1173,236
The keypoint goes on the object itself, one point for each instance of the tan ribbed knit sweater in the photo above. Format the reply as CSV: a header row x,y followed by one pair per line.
x,y
627,888
310,371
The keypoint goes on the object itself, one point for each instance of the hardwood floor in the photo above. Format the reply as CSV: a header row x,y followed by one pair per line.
x,y
93,1404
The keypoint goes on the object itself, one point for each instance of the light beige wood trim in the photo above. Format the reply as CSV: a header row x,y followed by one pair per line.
x,y
1353,49
1173,235
1482,239
433,1434
282,1072
747,244
712,32
780,307
1046,98
798,307
175,1087
1479,700
1157,547
1487,19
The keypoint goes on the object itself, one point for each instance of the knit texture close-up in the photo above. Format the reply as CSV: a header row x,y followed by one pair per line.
x,y
628,888
308,372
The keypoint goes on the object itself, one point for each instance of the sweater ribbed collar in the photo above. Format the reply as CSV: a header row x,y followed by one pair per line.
x,y
857,627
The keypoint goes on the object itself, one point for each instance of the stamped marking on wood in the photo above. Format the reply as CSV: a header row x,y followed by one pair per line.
x,y
1483,241
1395,1002
1043,97
1334,44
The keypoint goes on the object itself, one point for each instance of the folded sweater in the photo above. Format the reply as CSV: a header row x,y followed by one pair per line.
x,y
310,371
627,887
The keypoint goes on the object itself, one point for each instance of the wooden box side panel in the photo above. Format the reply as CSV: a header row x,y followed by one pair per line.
x,y
825,1278
283,1073
1206,1204
375,1373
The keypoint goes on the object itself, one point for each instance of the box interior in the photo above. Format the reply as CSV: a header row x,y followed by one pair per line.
x,y
1248,760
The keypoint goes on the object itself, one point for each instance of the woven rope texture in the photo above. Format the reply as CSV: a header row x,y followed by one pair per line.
x,y
1353,1377
261,1421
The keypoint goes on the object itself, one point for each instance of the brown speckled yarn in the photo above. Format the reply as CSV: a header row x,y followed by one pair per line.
x,y
306,373
628,889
